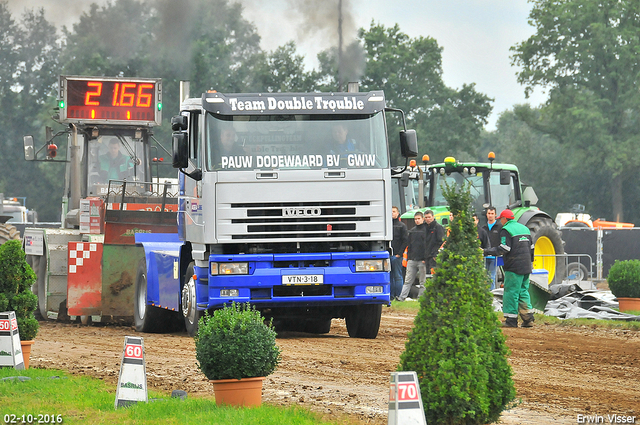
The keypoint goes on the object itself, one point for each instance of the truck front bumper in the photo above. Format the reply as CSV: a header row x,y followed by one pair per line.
x,y
278,280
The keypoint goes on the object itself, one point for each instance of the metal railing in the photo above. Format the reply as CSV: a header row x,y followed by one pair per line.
x,y
121,192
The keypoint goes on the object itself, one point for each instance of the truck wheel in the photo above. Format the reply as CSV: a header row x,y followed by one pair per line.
x,y
147,318
364,321
8,232
189,303
318,326
548,241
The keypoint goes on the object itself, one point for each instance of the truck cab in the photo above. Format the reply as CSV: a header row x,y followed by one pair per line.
x,y
284,203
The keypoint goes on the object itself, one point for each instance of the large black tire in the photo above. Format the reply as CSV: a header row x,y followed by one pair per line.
x,y
577,224
147,318
189,305
548,241
363,321
8,232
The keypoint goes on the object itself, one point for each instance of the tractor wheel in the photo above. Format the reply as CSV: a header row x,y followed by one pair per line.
x,y
548,244
577,225
189,303
8,232
363,321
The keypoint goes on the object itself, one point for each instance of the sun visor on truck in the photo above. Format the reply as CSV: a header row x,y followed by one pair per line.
x,y
294,104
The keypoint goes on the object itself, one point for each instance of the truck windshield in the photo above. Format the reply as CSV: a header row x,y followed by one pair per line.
x,y
296,142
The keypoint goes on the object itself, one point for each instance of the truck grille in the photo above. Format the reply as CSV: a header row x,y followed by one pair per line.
x,y
328,220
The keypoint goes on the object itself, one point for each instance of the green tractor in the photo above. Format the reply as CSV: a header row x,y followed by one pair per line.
x,y
496,185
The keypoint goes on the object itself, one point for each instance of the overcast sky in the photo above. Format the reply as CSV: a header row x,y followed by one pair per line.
x,y
475,34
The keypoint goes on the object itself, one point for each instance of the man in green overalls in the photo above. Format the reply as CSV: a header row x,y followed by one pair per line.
x,y
516,248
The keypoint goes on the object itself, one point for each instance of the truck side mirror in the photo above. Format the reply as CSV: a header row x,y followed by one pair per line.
x,y
180,144
505,177
179,123
29,152
408,143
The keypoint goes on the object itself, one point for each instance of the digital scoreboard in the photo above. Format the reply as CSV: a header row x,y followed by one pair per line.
x,y
110,100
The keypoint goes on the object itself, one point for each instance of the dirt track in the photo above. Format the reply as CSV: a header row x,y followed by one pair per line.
x,y
559,372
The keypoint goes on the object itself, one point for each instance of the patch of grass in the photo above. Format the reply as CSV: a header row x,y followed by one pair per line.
x,y
413,306
405,306
82,400
592,323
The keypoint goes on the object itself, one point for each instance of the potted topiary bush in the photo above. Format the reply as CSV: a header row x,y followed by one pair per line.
x,y
16,278
235,350
624,283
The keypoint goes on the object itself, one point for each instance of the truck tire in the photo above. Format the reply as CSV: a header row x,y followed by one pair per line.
x,y
147,318
8,232
548,245
318,326
189,304
364,321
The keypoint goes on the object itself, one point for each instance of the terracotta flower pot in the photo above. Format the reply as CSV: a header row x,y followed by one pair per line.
x,y
26,351
628,304
238,392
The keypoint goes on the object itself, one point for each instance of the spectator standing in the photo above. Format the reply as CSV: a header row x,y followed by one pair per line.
x,y
398,245
516,246
482,233
416,255
492,228
434,239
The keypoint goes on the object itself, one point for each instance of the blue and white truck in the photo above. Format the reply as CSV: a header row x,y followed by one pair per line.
x,y
284,202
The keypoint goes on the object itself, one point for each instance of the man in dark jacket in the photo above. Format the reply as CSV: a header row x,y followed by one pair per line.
x,y
398,245
416,255
516,246
492,228
434,239
483,236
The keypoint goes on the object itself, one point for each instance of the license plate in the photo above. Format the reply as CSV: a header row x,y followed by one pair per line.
x,y
303,279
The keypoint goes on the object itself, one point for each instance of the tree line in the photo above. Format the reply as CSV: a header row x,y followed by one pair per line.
x,y
579,147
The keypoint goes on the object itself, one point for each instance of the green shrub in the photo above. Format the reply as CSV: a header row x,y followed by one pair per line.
x,y
235,343
624,279
16,278
456,345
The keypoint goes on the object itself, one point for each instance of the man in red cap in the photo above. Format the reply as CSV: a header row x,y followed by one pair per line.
x,y
516,247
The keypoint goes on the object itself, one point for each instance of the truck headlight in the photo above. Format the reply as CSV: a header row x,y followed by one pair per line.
x,y
372,265
229,268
